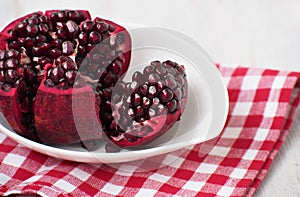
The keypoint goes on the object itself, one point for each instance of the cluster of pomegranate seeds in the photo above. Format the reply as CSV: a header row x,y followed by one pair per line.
x,y
100,55
158,90
93,32
163,86
66,25
9,69
63,74
32,34
67,15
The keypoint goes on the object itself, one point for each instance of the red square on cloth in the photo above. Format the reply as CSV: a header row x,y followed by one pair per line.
x,y
262,102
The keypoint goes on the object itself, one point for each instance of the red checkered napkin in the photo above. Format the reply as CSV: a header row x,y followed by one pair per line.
x,y
262,107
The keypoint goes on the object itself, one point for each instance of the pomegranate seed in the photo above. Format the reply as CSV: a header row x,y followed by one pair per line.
x,y
178,93
43,19
68,48
73,29
179,79
74,16
116,67
143,89
2,65
11,64
54,53
138,77
11,76
42,61
136,100
88,26
29,43
21,28
94,37
152,92
56,74
2,76
166,95
102,27
172,105
12,54
14,45
71,76
41,49
44,28
2,54
83,38
146,103
171,82
40,38
57,43
148,70
153,78
32,29
33,20
62,15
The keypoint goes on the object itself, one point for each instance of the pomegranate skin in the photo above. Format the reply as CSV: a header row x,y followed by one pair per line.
x,y
67,117
11,110
160,125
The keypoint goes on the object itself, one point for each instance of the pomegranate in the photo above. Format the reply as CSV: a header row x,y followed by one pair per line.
x,y
56,65
137,112
53,59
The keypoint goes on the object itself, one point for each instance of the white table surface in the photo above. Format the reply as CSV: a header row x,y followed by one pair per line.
x,y
251,32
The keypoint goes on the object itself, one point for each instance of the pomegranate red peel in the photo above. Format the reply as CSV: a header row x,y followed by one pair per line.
x,y
3,38
11,110
54,115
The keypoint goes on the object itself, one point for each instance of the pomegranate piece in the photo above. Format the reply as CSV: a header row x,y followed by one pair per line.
x,y
46,86
138,112
14,97
61,95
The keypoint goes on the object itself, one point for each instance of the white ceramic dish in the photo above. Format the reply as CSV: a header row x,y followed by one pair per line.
x,y
206,108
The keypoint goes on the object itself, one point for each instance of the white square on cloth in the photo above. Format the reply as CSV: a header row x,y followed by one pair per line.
x,y
225,191
193,185
111,189
238,173
207,168
261,134
145,192
68,187
14,160
250,154
271,109
242,109
250,82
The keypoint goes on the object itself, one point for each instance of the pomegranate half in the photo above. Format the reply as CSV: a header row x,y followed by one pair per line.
x,y
48,61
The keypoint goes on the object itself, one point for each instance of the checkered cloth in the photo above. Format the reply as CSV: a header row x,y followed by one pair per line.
x,y
262,107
